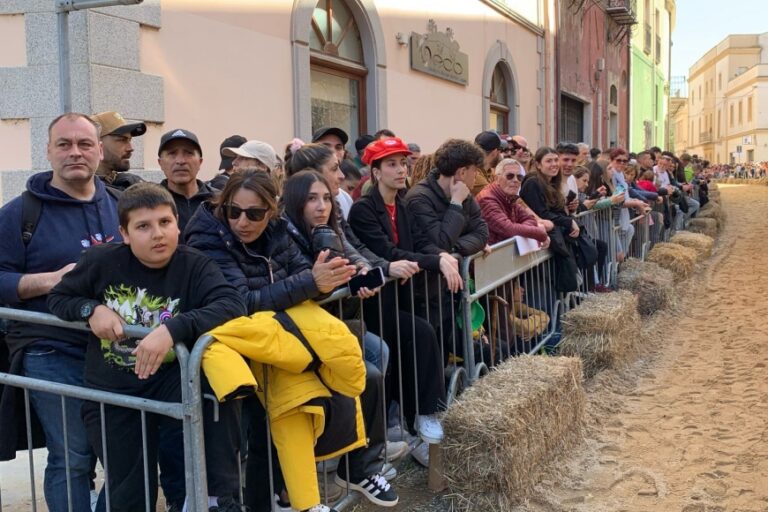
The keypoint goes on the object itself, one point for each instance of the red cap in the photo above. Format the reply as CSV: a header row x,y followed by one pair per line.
x,y
383,148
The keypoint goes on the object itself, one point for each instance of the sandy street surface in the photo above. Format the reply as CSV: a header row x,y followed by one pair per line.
x,y
685,429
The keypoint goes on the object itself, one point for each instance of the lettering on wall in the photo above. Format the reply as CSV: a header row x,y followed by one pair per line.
x,y
437,53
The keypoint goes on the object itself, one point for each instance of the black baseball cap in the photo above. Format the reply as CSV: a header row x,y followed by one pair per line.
x,y
488,140
322,132
362,143
234,141
179,134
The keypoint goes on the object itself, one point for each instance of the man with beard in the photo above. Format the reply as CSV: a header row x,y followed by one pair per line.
x,y
116,136
491,144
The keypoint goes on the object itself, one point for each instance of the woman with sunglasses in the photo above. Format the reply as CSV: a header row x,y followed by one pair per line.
x,y
242,232
616,183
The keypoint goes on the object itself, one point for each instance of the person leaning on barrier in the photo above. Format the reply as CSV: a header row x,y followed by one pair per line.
x,y
309,208
75,211
498,205
116,136
151,281
243,233
381,221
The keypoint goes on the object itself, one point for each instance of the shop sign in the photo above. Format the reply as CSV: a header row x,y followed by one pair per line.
x,y
437,54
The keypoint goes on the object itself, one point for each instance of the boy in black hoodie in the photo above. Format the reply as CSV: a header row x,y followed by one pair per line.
x,y
151,281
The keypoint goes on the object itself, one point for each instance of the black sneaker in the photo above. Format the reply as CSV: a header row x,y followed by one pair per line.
x,y
375,488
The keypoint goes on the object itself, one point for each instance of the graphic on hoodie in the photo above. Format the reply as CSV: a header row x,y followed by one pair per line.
x,y
96,239
136,307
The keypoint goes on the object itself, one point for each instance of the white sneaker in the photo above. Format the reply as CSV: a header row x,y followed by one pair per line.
x,y
394,450
321,508
280,507
388,471
421,454
429,428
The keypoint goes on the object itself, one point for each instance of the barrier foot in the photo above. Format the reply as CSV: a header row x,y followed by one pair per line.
x,y
436,481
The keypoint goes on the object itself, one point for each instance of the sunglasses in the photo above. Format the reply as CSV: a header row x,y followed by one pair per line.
x,y
252,214
622,160
513,176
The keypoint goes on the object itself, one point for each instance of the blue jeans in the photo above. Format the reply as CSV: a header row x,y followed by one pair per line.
x,y
52,365
376,351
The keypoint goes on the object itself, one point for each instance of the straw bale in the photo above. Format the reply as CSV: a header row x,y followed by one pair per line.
x,y
703,225
712,210
603,330
652,284
700,243
506,432
674,257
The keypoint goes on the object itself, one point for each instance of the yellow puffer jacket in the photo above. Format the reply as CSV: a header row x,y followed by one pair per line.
x,y
280,363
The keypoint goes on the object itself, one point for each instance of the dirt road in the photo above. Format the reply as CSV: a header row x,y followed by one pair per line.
x,y
691,434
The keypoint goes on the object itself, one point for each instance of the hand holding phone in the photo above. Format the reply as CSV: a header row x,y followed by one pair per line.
x,y
373,279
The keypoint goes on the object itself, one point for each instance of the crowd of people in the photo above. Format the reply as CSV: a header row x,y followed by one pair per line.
x,y
90,241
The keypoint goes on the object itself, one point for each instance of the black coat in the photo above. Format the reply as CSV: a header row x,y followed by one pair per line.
x,y
370,222
451,227
532,192
271,273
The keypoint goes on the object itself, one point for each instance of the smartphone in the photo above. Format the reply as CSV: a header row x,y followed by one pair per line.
x,y
373,279
571,196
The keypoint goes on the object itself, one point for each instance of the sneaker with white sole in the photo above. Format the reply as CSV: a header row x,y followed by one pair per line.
x,y
388,471
395,450
320,508
281,506
375,488
421,454
429,428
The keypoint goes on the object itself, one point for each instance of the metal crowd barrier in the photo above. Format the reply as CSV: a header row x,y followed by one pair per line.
x,y
188,411
519,314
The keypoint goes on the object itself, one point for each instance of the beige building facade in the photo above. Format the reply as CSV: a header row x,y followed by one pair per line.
x,y
276,69
727,106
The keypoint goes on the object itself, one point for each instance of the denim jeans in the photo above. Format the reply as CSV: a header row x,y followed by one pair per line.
x,y
55,366
376,351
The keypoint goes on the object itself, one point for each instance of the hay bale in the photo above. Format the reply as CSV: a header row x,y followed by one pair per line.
x,y
503,434
703,225
603,330
702,244
652,284
675,258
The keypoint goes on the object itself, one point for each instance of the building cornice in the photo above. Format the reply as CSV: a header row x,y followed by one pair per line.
x,y
502,8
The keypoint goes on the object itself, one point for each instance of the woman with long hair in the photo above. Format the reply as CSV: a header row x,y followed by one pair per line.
x,y
541,191
243,233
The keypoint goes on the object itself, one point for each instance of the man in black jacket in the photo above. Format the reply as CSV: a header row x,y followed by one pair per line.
x,y
442,207
443,210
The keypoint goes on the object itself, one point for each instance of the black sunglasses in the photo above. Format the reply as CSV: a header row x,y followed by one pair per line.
x,y
622,160
253,214
513,176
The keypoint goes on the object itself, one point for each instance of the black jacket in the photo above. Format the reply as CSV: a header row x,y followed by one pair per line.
x,y
186,207
450,227
270,273
532,192
370,222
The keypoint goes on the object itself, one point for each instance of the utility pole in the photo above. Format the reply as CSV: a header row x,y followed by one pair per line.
x,y
62,9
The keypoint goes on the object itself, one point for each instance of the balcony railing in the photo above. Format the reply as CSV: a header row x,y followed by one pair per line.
x,y
623,12
705,137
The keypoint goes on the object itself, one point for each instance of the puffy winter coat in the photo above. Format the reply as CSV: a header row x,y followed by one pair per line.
x,y
271,273
283,370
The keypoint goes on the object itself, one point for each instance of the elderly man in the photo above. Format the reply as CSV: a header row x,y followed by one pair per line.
x,y
116,137
180,158
501,211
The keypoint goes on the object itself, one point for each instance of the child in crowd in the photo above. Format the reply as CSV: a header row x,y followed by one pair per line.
x,y
645,181
149,280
